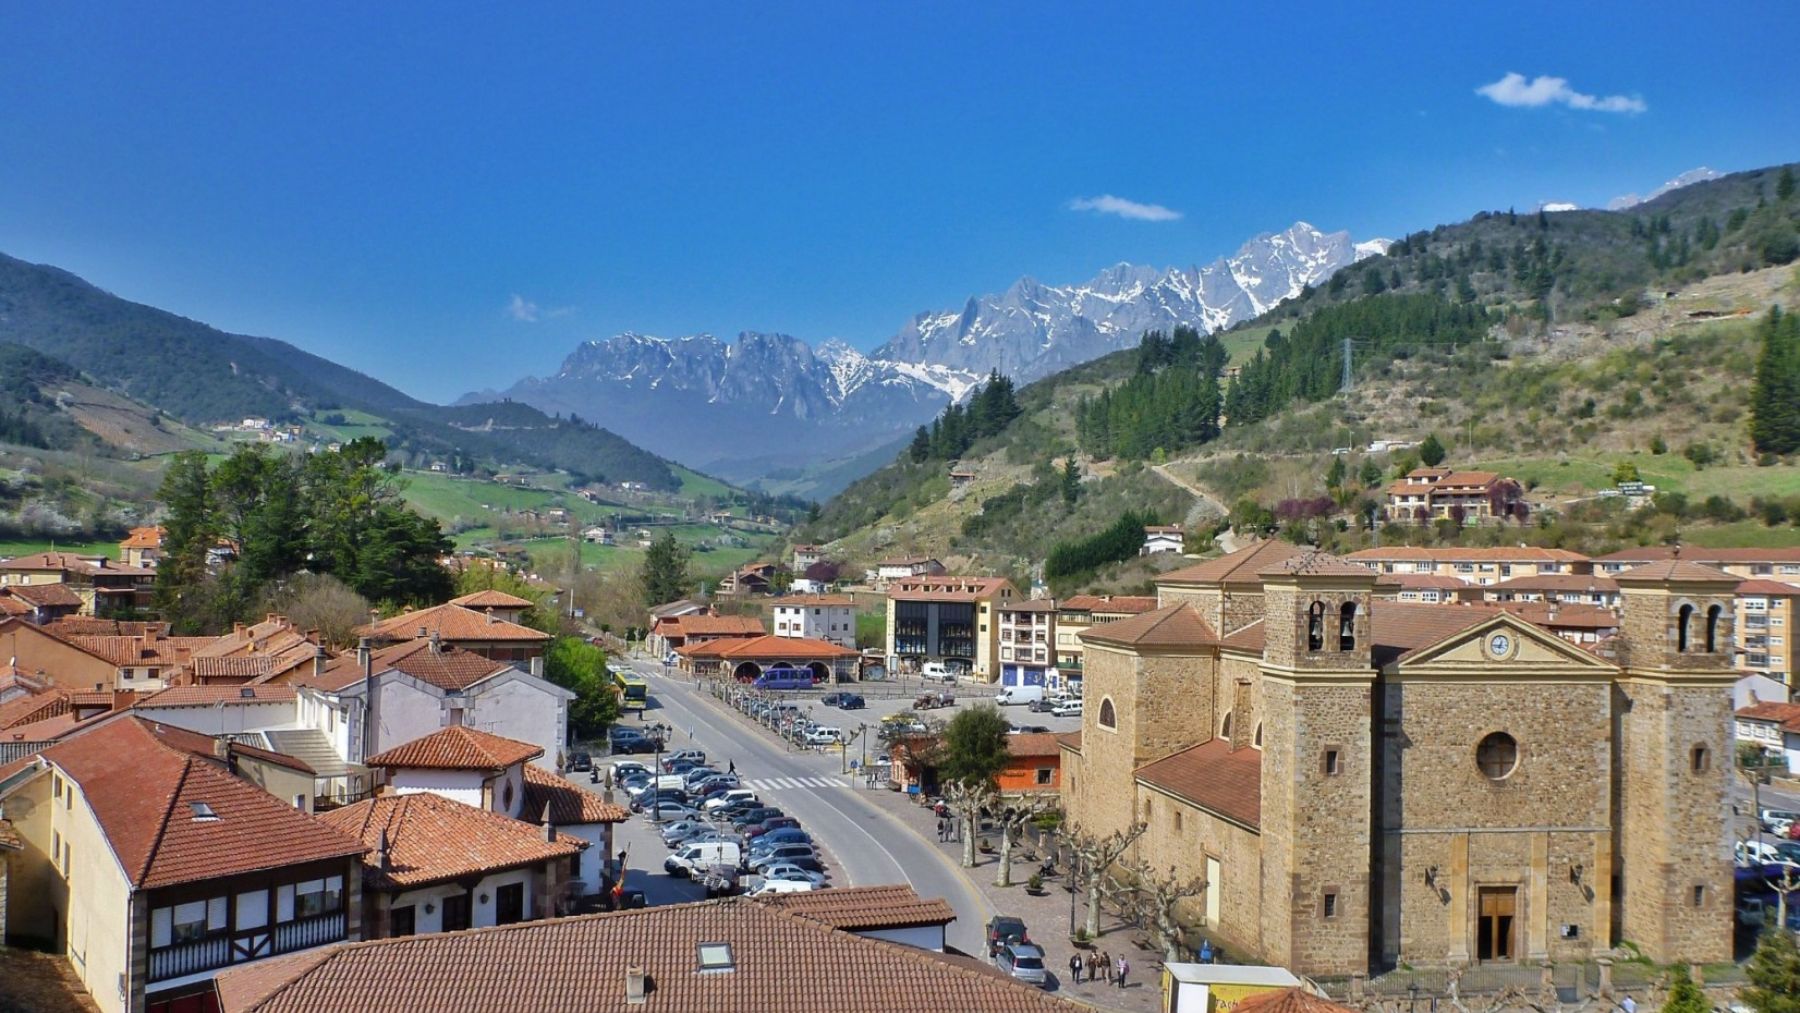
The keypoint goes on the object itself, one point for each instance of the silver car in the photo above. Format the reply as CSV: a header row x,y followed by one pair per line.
x,y
1024,961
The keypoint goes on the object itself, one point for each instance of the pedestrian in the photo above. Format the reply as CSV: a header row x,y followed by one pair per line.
x,y
1124,969
1106,965
1206,951
731,768
1075,967
1628,1004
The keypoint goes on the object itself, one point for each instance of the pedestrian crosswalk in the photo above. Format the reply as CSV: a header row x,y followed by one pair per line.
x,y
782,783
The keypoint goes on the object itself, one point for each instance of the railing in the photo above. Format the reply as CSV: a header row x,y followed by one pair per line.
x,y
214,952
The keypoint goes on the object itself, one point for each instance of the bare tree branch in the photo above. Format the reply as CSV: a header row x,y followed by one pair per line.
x,y
1012,813
1155,897
1097,855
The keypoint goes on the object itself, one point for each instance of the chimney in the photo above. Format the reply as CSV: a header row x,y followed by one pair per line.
x,y
237,629
423,632
122,699
362,655
537,666
490,615
437,642
549,828
637,985
382,851
320,658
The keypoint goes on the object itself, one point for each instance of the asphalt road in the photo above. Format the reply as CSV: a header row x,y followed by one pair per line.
x,y
870,846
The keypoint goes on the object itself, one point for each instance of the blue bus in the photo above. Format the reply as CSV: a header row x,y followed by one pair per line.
x,y
784,677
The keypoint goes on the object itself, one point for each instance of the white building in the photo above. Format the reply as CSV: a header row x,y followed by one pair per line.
x,y
1162,538
828,617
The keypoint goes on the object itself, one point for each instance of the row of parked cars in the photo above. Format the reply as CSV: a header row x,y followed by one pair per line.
x,y
787,720
717,830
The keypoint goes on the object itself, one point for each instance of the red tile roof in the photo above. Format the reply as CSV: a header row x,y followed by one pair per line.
x,y
947,588
1033,744
36,707
1457,553
1767,588
711,626
455,624
144,792
1249,638
492,599
1178,625
1235,568
208,746
1289,1000
811,600
1702,554
1120,604
1070,740
46,595
1213,777
781,962
1424,582
432,839
1680,570
767,648
569,805
1588,583
213,696
1313,563
458,748
1787,715
449,667
144,538
864,908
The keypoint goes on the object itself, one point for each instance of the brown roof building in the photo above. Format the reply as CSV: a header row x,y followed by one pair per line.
x,y
733,954
482,632
895,912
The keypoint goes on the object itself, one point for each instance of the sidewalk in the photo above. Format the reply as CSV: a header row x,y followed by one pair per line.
x,y
1047,917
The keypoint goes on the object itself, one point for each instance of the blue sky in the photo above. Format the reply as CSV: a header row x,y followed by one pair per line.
x,y
395,185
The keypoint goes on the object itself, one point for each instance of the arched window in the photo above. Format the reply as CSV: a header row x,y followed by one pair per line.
x,y
1225,726
1700,758
1713,615
1315,627
1107,718
1683,620
1347,627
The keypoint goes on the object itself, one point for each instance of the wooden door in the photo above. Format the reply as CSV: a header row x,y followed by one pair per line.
x,y
1496,927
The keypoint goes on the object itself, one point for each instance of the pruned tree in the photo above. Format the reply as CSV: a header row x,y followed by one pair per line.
x,y
1155,898
1097,854
968,800
1011,814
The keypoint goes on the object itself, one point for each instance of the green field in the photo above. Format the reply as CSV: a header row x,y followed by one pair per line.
x,y
29,546
695,484
355,424
447,497
709,565
1668,472
1743,534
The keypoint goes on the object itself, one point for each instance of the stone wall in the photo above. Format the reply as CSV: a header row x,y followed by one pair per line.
x,y
1178,703
1181,836
1108,755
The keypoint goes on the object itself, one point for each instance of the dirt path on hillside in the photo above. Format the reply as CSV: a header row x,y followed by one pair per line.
x,y
1206,505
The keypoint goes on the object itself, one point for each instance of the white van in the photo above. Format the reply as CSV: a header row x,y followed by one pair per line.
x,y
670,782
1019,694
734,795
781,886
937,671
700,857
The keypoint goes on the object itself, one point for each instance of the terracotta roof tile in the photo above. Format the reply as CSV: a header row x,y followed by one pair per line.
x,y
1033,744
449,667
143,792
1121,604
1765,587
454,623
208,746
1588,583
1070,740
213,696
766,648
1237,568
458,748
1178,625
492,599
1214,777
432,839
812,600
569,805
1400,627
1313,563
1424,582
36,707
947,588
68,626
781,961
46,595
1289,1000
1677,570
863,908
144,538
1457,553
242,667
1250,638
1701,554
9,838
715,626
1787,715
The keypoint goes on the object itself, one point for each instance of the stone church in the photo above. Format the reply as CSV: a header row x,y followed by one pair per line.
x,y
1364,782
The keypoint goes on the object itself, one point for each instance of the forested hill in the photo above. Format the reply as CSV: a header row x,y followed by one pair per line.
x,y
192,371
201,375
1430,323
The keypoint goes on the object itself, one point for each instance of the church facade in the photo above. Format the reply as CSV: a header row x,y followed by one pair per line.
x,y
1364,782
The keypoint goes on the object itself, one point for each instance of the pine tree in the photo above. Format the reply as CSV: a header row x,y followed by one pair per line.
x,y
1684,995
1071,480
1784,184
1431,452
664,577
1775,395
1334,476
1774,973
1370,474
921,445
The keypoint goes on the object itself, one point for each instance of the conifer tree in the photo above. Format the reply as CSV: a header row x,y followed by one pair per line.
x,y
1431,452
1775,395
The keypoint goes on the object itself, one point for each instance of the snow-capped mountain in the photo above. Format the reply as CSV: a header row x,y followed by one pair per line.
x,y
1032,329
767,404
1688,178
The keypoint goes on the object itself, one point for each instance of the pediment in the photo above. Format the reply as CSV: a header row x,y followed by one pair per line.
x,y
1502,642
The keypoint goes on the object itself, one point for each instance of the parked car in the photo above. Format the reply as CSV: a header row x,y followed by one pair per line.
x,y
784,835
1760,912
937,671
772,823
715,782
790,871
824,735
581,760
802,855
694,775
1024,961
702,856
693,757
1068,708
750,817
622,769
679,831
629,740
780,886
730,798
671,810
1004,929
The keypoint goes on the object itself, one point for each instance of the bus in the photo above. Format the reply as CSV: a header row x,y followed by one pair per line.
x,y
634,692
784,677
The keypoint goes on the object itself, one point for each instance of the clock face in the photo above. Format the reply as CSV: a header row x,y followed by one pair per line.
x,y
1499,644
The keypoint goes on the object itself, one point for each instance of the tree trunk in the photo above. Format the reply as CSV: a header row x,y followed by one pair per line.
x,y
970,814
1003,877
1093,902
1170,933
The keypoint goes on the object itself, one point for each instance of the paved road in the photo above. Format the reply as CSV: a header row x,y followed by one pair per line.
x,y
871,846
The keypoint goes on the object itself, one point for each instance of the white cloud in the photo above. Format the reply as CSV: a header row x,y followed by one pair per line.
x,y
523,310
1515,90
1107,204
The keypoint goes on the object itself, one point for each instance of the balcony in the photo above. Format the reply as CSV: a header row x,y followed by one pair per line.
x,y
213,952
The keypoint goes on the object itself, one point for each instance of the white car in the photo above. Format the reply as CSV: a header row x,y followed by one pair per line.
x,y
1067,709
793,873
824,735
781,886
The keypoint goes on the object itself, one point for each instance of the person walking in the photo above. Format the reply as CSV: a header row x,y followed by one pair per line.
x,y
1205,951
1124,969
1106,965
731,767
1075,967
